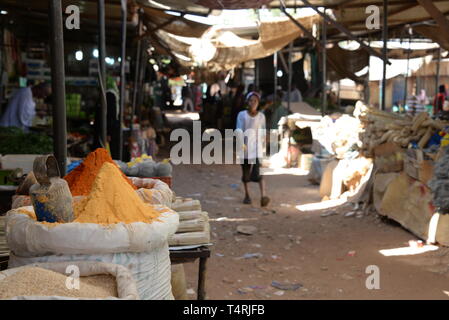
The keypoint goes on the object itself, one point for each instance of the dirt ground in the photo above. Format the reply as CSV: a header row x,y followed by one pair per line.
x,y
324,253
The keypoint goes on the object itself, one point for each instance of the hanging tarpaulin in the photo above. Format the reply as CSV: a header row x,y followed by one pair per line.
x,y
220,49
345,63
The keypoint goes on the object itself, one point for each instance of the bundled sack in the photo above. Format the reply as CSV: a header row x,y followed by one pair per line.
x,y
187,204
192,225
191,238
141,247
190,215
153,191
125,284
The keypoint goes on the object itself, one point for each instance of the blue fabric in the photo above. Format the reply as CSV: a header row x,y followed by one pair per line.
x,y
73,165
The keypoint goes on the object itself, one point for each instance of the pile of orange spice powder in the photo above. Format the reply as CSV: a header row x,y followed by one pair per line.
x,y
111,201
81,179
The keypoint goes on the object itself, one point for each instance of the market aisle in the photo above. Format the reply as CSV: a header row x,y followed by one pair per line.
x,y
327,255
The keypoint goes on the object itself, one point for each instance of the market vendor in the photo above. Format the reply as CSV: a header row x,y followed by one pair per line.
x,y
22,107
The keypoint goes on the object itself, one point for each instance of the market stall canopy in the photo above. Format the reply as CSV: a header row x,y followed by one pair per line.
x,y
30,20
352,14
220,49
200,6
349,13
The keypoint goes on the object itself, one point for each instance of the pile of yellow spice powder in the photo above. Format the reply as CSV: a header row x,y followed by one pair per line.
x,y
112,200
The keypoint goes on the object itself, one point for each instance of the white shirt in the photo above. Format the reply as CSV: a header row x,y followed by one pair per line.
x,y
20,111
254,130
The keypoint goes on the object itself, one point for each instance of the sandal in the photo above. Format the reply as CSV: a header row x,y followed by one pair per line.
x,y
264,201
247,200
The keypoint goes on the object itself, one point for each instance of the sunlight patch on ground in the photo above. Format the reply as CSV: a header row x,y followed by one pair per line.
x,y
279,171
321,205
233,219
406,251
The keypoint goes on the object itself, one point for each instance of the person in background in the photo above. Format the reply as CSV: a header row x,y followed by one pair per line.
x,y
254,144
21,108
187,98
295,94
237,103
438,102
277,110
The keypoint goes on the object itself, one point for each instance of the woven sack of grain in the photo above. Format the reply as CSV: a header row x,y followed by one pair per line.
x,y
141,247
153,191
126,286
326,179
178,282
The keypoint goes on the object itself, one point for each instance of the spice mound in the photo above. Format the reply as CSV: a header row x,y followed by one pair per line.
x,y
34,281
113,201
81,178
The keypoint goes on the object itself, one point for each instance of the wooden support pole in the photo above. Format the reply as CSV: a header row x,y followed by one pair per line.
x,y
384,53
122,75
324,71
136,74
437,76
58,85
290,75
102,71
275,65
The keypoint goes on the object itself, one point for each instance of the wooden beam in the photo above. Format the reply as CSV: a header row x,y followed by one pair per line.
x,y
343,3
376,3
299,25
436,14
344,30
402,9
166,23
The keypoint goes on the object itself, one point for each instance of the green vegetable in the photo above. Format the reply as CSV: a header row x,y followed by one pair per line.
x,y
15,141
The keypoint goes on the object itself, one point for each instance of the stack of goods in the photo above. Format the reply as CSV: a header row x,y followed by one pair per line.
x,y
97,280
193,229
111,224
146,167
73,104
382,127
406,186
336,137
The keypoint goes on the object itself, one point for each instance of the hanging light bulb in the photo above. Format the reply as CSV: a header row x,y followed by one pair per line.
x,y
79,55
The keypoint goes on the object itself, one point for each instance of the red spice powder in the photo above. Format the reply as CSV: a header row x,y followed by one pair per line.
x,y
81,178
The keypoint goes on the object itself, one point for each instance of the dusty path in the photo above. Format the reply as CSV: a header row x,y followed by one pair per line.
x,y
301,247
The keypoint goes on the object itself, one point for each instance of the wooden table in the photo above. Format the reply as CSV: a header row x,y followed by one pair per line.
x,y
190,255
